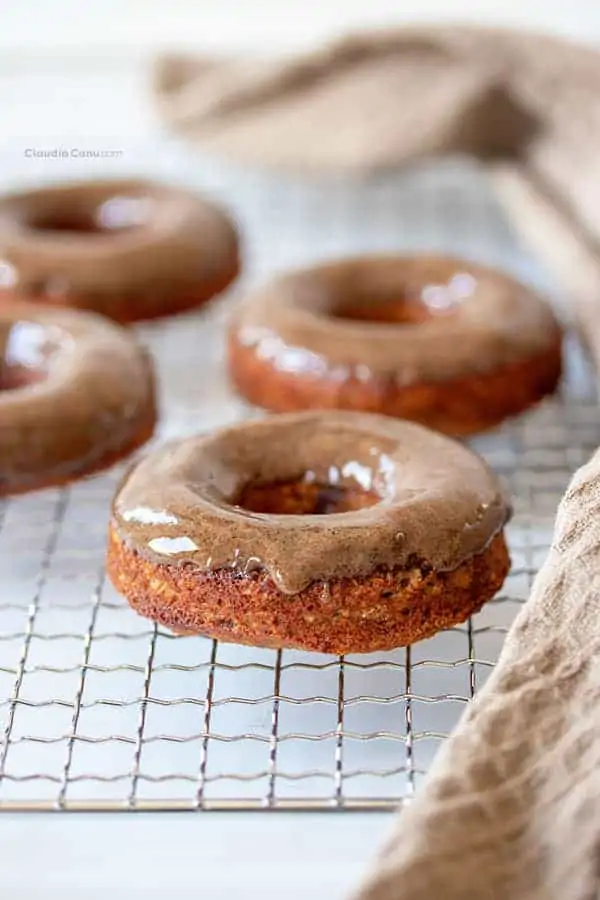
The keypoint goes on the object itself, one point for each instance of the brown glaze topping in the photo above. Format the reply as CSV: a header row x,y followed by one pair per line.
x,y
311,496
417,319
104,241
72,385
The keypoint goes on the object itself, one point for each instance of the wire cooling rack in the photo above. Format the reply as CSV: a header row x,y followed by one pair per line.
x,y
100,710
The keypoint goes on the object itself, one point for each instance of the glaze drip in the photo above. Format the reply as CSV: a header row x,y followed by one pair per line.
x,y
435,503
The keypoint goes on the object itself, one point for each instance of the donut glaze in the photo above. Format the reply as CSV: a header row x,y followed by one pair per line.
x,y
451,344
202,539
127,249
76,395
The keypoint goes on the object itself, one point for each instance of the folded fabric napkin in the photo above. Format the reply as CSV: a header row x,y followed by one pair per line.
x,y
380,100
511,808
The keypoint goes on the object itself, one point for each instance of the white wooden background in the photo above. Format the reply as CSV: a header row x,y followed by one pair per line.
x,y
67,28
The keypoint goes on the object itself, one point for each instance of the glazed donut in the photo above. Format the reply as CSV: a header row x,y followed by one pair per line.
x,y
76,395
127,249
336,532
453,345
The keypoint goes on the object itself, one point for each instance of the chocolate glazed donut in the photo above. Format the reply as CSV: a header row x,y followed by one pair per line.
x,y
76,395
337,532
127,249
447,343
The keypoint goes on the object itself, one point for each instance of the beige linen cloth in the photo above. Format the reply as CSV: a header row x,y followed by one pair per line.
x,y
511,808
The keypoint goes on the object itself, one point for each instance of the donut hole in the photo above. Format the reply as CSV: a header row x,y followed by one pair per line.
x,y
13,378
304,497
112,216
27,354
300,465
405,310
69,222
409,304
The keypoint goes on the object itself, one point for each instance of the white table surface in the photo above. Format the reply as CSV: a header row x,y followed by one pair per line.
x,y
184,856
34,27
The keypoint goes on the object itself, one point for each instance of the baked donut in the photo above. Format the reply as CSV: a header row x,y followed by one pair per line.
x,y
127,249
336,532
76,395
456,346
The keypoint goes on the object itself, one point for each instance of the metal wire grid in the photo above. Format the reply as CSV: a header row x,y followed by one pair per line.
x,y
100,710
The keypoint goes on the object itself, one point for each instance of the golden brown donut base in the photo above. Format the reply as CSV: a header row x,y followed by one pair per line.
x,y
136,308
350,615
458,407
38,482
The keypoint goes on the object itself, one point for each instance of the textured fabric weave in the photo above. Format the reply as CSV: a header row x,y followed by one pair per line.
x,y
512,806
524,102
370,102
